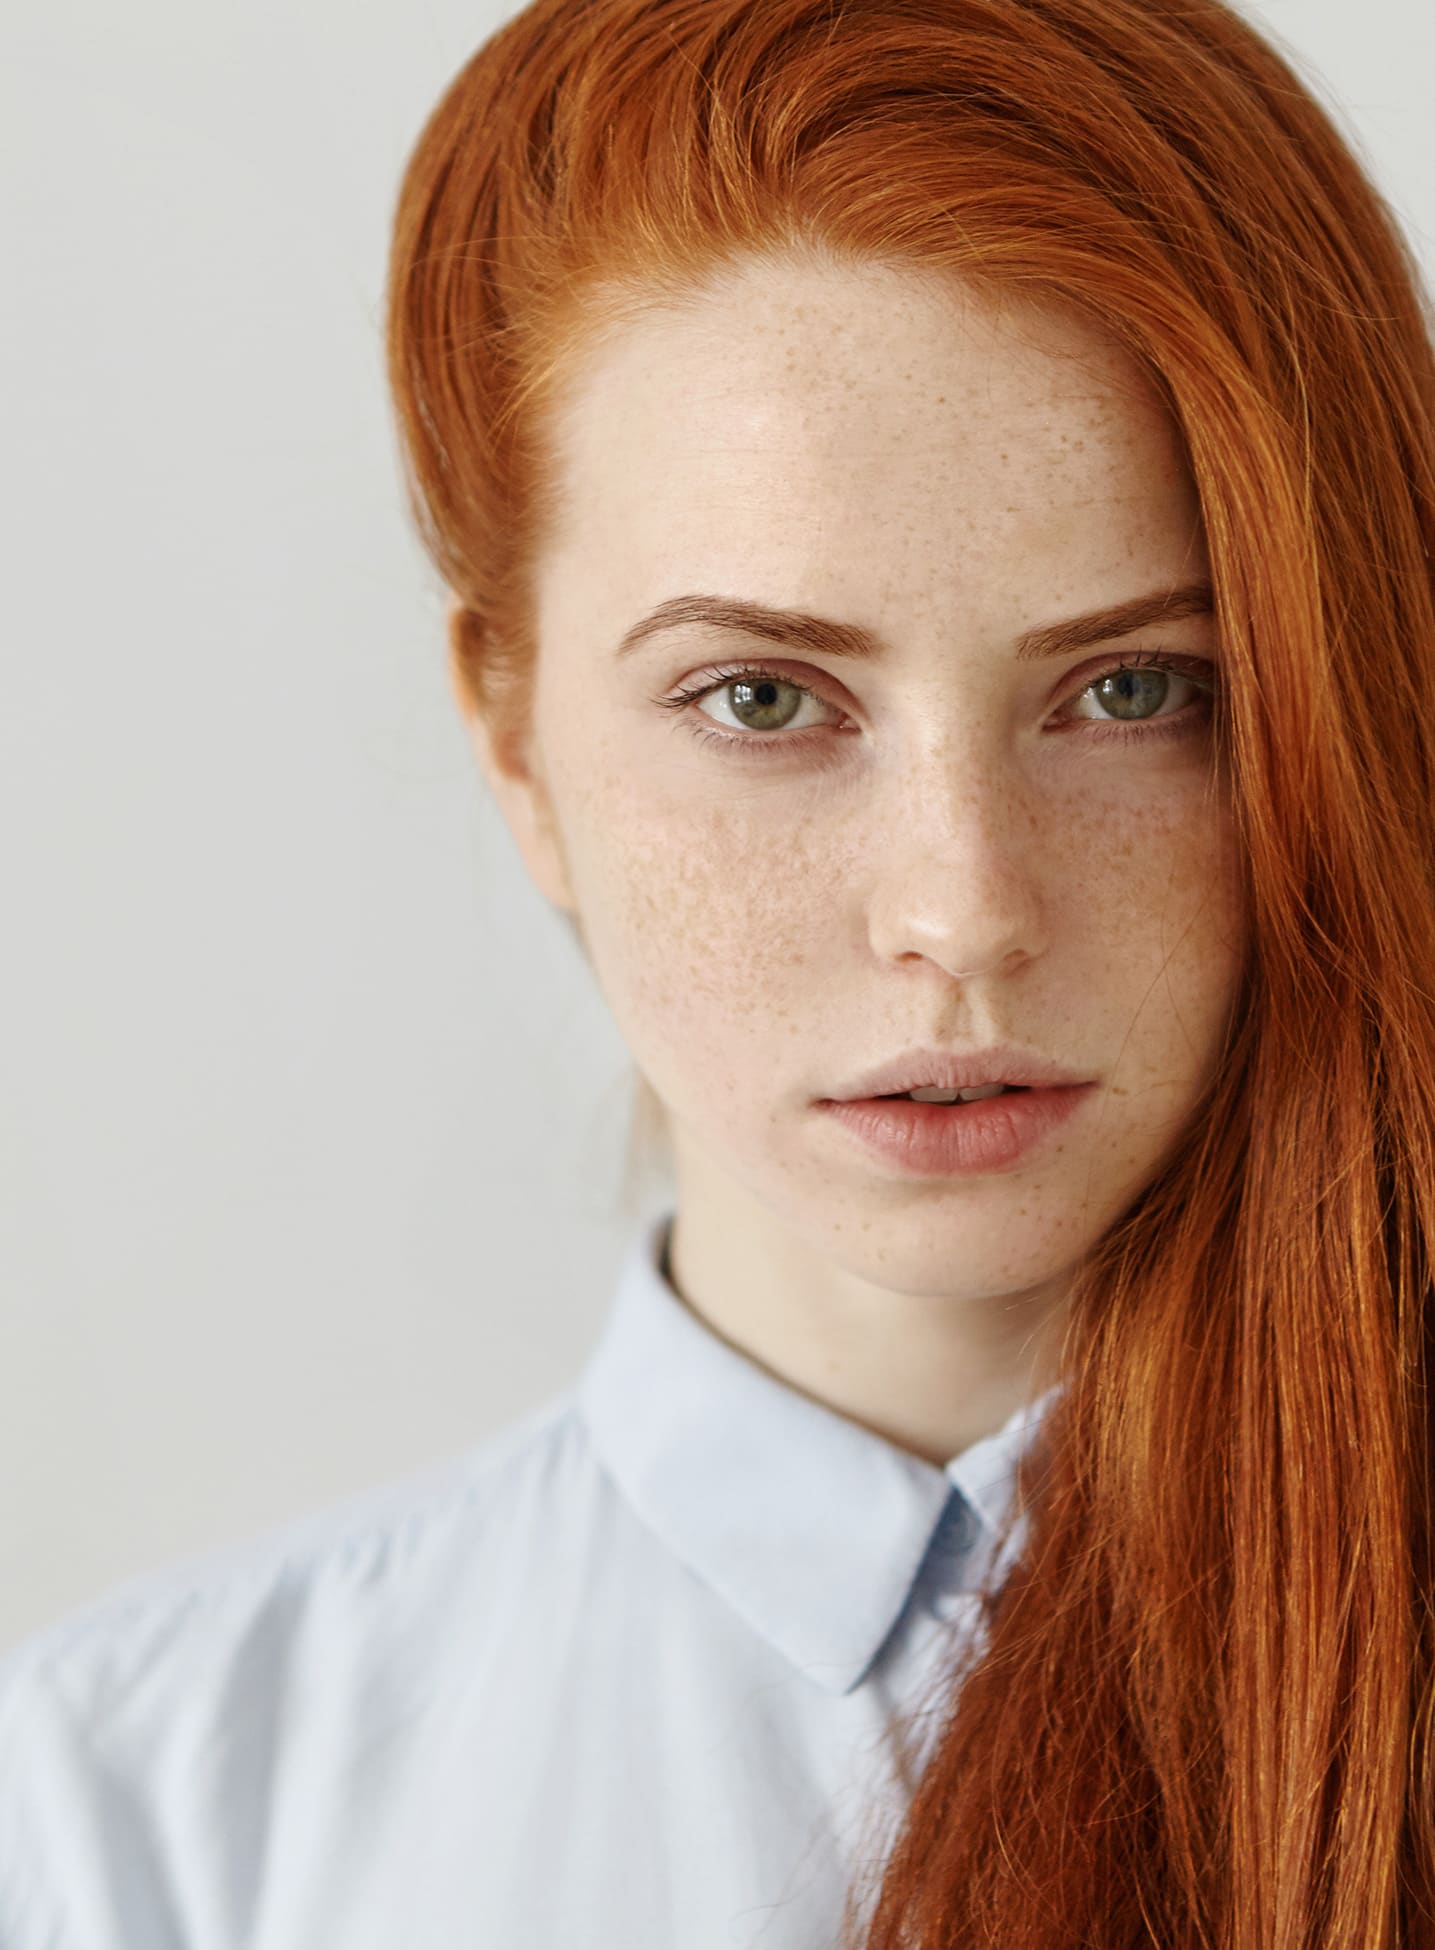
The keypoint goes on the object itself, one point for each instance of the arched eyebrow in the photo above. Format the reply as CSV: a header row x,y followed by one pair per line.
x,y
798,629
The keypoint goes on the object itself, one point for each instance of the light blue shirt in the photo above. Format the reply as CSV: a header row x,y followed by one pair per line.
x,y
624,1676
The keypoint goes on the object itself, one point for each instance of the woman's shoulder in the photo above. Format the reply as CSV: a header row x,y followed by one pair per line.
x,y
369,1538
219,1671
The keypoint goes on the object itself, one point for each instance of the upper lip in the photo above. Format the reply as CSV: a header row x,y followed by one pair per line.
x,y
936,1069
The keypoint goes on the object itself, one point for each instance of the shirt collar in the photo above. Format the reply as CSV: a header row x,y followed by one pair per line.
x,y
811,1527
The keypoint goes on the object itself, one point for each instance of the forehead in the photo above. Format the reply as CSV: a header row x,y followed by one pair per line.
x,y
862,423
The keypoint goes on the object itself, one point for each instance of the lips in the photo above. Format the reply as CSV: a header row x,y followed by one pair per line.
x,y
991,1134
934,1068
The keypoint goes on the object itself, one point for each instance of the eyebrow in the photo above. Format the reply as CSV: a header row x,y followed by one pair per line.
x,y
806,632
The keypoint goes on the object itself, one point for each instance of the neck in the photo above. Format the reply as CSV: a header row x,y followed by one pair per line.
x,y
929,1368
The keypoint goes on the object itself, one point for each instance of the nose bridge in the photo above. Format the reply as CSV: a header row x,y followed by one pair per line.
x,y
962,787
957,878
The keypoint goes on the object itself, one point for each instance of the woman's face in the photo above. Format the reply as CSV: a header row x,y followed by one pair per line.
x,y
938,843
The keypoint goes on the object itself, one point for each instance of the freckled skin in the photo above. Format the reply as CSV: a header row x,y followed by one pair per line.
x,y
878,447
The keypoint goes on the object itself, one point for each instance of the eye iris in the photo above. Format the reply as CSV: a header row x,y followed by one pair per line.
x,y
758,694
1124,689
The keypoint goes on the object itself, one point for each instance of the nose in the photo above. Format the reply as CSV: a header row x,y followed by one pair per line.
x,y
954,877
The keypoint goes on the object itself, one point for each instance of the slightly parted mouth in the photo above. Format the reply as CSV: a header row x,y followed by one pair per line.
x,y
904,1096
889,1096
1013,1065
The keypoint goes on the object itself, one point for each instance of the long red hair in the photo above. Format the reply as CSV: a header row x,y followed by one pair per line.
x,y
1201,1711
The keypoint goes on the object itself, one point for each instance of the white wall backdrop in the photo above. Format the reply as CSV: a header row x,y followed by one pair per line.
x,y
310,1118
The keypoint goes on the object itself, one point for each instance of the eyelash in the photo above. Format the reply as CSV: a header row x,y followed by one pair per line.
x,y
1198,669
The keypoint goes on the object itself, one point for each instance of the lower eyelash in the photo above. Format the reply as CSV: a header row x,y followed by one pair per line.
x,y
1198,669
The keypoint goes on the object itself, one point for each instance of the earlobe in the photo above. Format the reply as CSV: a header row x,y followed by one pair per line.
x,y
527,810
515,784
499,755
457,628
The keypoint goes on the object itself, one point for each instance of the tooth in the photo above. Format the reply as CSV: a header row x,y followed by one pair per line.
x,y
978,1091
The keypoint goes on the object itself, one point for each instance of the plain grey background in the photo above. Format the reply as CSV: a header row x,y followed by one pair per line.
x,y
311,1120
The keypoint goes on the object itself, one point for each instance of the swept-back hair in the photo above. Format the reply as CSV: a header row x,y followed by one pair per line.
x,y
1200,1714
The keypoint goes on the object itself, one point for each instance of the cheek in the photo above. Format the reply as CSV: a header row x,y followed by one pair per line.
x,y
708,924
1165,928
1192,872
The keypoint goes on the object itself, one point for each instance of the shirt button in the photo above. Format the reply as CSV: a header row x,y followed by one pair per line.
x,y
949,1605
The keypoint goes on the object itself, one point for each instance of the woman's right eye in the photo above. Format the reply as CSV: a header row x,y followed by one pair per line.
x,y
765,703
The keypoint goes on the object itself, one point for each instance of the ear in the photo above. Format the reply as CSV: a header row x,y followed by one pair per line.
x,y
515,781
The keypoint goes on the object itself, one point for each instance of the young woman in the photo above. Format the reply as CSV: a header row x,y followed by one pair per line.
x,y
938,500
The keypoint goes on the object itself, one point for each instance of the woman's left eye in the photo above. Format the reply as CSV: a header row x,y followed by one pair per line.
x,y
1134,690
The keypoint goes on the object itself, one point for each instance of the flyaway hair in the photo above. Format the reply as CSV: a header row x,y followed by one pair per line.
x,y
1201,1714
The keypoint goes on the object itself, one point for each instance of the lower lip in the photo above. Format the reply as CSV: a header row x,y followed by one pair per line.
x,y
931,1140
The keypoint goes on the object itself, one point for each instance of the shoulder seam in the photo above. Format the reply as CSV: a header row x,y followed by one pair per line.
x,y
271,1552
